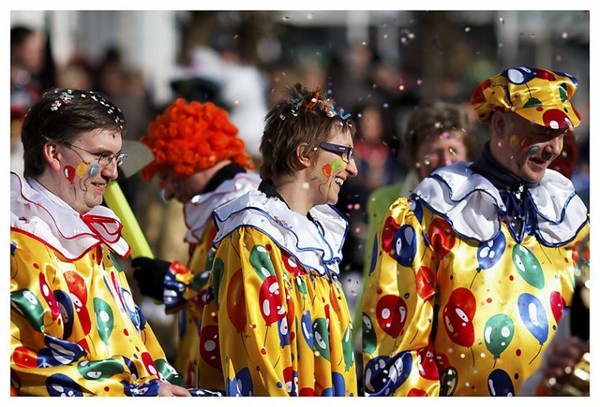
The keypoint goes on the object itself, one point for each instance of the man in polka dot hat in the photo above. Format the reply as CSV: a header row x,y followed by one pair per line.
x,y
473,270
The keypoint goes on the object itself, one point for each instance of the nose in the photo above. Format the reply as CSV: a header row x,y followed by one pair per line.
x,y
555,145
110,170
351,168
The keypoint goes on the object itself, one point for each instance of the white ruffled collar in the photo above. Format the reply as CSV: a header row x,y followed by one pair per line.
x,y
473,207
47,217
317,244
198,212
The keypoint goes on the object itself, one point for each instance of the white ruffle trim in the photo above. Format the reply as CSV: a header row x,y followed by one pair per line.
x,y
317,245
473,206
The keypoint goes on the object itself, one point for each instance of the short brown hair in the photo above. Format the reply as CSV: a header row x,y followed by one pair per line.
x,y
307,116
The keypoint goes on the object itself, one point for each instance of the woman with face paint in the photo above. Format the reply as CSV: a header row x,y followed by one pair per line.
x,y
75,330
276,322
471,272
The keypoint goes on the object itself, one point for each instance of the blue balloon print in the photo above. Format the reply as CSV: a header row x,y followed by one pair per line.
x,y
499,384
374,252
339,385
241,385
383,375
131,366
405,245
307,329
145,389
488,253
60,385
59,352
284,332
417,209
534,317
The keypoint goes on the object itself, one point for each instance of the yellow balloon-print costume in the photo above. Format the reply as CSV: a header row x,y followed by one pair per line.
x,y
74,327
186,286
454,305
277,322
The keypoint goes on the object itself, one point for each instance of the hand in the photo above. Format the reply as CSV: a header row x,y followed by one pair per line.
x,y
167,389
150,276
565,354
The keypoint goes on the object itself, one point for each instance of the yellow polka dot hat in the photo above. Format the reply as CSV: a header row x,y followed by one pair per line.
x,y
538,95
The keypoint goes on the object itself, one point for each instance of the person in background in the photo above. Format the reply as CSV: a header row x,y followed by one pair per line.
x,y
473,270
437,134
202,163
74,327
276,322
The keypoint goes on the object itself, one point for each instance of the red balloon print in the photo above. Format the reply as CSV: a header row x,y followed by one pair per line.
x,y
209,346
391,314
557,304
427,366
24,357
390,227
290,263
425,282
441,236
79,297
49,297
458,317
236,300
271,300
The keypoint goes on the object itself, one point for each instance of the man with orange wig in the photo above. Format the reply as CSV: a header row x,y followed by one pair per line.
x,y
202,163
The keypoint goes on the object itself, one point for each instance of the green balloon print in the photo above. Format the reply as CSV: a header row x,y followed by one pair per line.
x,y
498,333
301,285
528,266
321,340
260,260
99,369
104,319
25,303
348,349
369,338
217,275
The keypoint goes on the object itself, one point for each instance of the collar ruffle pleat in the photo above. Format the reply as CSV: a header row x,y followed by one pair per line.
x,y
198,212
473,207
316,244
37,212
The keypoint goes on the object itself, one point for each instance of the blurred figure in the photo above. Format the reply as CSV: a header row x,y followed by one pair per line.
x,y
27,57
437,134
201,162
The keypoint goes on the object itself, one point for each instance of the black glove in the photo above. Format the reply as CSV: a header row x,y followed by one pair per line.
x,y
150,276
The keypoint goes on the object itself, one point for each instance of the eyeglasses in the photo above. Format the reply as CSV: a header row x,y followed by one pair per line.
x,y
343,151
104,159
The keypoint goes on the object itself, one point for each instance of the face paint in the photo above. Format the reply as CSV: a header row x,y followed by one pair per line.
x,y
94,170
533,149
69,173
514,140
81,169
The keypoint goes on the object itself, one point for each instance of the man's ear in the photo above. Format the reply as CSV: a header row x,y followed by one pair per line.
x,y
52,155
499,123
303,155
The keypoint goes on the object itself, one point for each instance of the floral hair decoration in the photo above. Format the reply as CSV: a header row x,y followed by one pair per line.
x,y
326,105
191,137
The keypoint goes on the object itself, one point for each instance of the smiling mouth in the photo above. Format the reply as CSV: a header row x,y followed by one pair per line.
x,y
338,180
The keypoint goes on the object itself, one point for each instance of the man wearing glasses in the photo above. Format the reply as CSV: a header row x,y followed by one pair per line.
x,y
75,329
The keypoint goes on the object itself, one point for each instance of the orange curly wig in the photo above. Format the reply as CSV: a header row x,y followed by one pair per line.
x,y
188,138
